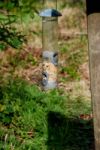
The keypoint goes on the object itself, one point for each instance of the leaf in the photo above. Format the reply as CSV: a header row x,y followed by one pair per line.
x,y
9,5
2,107
2,46
3,17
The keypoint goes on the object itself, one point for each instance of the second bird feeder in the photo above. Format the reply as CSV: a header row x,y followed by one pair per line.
x,y
50,46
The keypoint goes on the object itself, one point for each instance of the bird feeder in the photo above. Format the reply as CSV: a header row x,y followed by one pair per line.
x,y
50,45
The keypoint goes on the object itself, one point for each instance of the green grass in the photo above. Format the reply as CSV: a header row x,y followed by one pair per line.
x,y
35,120
74,54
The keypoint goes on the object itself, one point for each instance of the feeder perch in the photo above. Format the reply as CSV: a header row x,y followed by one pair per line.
x,y
50,47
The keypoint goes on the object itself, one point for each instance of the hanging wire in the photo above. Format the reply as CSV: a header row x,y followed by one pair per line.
x,y
20,3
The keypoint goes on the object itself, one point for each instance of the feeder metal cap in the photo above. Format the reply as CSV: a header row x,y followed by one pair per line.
x,y
50,13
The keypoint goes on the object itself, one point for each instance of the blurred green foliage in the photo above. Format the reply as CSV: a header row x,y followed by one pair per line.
x,y
11,11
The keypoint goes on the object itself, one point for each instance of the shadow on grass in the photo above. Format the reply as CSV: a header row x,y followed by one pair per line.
x,y
69,134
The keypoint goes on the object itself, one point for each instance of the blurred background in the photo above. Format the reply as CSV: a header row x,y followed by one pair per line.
x,y
30,117
21,41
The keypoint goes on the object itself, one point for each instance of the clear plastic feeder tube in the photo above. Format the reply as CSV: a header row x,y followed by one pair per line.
x,y
50,52
50,48
50,34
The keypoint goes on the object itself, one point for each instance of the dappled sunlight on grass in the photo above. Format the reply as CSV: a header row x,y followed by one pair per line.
x,y
31,118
